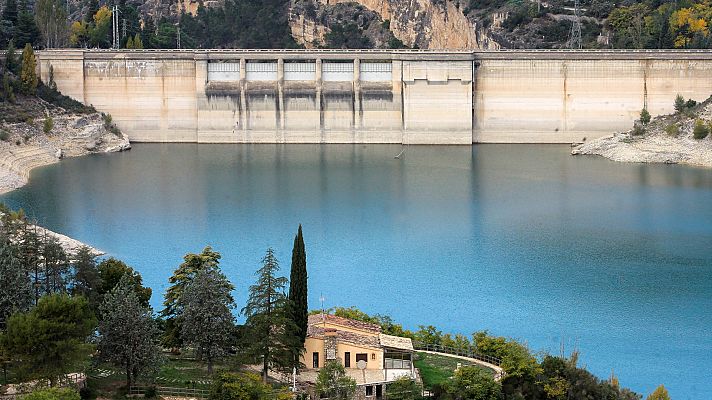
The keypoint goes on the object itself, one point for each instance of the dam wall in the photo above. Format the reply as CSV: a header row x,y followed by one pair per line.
x,y
375,96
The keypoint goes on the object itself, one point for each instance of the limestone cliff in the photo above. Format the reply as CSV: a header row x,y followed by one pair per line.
x,y
425,24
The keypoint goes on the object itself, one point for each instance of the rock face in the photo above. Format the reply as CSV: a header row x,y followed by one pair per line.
x,y
425,24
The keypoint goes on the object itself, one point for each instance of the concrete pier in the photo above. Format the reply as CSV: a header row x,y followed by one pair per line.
x,y
375,96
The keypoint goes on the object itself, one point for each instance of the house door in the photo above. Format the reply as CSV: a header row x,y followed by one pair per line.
x,y
347,359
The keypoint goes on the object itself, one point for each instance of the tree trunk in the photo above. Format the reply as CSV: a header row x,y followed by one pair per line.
x,y
265,366
210,364
128,378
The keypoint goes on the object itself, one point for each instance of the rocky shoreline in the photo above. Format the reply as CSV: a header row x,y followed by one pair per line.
x,y
667,139
28,144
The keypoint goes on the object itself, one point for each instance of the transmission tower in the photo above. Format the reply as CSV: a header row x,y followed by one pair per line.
x,y
574,41
115,27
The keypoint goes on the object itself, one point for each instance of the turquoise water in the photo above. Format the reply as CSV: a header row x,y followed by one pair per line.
x,y
523,240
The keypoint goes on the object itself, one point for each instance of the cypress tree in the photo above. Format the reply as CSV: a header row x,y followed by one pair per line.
x,y
298,290
10,58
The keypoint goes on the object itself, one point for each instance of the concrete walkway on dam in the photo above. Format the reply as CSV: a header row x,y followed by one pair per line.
x,y
377,96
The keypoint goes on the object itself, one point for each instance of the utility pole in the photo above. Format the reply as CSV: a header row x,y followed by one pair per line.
x,y
574,41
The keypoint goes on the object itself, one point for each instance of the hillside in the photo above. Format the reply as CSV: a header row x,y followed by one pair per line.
x,y
427,24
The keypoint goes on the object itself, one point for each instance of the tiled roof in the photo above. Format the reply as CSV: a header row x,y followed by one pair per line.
x,y
395,342
345,322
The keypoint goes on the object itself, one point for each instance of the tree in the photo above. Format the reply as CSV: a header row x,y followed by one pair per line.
x,y
112,270
92,9
128,335
644,116
8,93
56,266
99,32
28,76
79,34
404,388
207,319
9,13
10,59
15,288
52,394
26,29
239,386
30,247
299,311
660,393
8,20
679,103
49,341
138,44
130,43
268,323
333,383
86,279
51,17
181,278
148,33
472,383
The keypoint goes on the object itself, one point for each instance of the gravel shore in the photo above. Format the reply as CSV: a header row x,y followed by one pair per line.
x,y
658,145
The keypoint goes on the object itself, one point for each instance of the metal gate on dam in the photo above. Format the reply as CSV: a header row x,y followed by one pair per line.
x,y
377,96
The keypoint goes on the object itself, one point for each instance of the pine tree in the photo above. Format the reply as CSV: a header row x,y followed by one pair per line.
x,y
10,58
660,393
138,44
128,335
26,30
86,280
181,278
299,311
28,75
148,33
56,267
207,319
268,324
111,271
15,287
9,13
130,43
49,341
30,252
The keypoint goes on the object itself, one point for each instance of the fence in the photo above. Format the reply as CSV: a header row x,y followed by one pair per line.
x,y
171,391
457,352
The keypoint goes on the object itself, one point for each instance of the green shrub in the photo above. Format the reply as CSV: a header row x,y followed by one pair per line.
x,y
638,130
690,103
87,393
4,135
644,116
52,394
679,103
151,392
701,130
672,130
48,125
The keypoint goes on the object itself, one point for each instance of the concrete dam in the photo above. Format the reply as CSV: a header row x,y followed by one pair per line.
x,y
377,96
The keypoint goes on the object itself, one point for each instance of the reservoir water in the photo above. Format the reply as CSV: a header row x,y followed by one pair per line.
x,y
522,240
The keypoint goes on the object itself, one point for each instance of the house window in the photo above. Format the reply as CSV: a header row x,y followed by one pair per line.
x,y
362,356
315,359
347,359
369,390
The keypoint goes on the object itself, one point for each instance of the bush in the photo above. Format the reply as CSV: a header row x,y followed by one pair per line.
x,y
151,392
690,103
638,130
679,103
672,130
52,394
53,96
4,135
644,116
701,130
87,393
48,125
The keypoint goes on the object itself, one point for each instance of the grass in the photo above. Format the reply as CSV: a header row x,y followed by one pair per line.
x,y
437,369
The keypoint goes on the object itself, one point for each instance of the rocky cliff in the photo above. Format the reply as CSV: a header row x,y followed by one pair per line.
x,y
425,24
